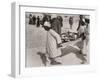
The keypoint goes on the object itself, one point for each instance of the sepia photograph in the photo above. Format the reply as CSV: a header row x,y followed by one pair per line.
x,y
53,39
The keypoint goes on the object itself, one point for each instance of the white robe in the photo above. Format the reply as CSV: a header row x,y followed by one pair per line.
x,y
53,39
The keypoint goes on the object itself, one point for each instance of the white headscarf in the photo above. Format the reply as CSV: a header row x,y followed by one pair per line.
x,y
46,23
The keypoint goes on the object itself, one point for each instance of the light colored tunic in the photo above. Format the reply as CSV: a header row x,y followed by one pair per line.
x,y
53,39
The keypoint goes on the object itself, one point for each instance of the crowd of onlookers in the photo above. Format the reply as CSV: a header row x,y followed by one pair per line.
x,y
57,24
33,20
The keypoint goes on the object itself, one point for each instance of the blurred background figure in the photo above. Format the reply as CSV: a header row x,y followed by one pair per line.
x,y
34,19
38,21
30,19
61,20
41,18
81,21
87,20
81,27
56,24
71,21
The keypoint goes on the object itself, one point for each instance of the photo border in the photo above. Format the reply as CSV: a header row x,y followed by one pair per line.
x,y
16,64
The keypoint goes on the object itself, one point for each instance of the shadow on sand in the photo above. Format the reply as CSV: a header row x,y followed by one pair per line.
x,y
70,49
43,57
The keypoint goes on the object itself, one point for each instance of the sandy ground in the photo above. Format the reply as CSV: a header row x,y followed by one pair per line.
x,y
35,42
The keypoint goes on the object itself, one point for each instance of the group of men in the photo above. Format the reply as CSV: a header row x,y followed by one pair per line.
x,y
56,23
33,20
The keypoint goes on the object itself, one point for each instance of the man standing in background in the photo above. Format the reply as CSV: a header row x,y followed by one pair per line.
x,y
56,24
71,22
34,19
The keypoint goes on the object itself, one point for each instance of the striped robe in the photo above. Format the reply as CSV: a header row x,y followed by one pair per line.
x,y
53,38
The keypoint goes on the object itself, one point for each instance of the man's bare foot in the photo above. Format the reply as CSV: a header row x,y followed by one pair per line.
x,y
55,63
83,62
